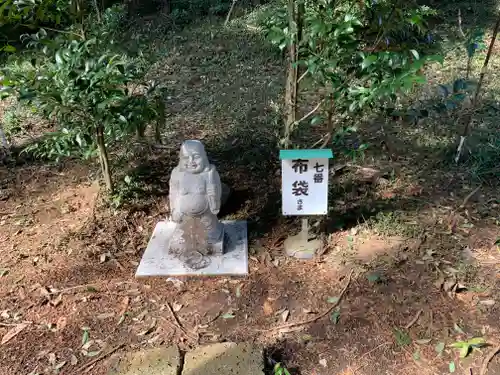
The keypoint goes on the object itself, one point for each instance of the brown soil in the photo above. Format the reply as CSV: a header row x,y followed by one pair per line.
x,y
55,230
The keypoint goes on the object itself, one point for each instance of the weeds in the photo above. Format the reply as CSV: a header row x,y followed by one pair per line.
x,y
279,369
393,224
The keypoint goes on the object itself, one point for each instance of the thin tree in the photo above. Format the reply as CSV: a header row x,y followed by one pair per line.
x,y
292,76
468,122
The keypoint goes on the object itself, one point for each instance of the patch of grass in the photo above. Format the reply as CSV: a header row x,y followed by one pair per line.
x,y
16,120
402,337
484,161
393,224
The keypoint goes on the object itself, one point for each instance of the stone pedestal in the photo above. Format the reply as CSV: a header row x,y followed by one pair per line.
x,y
191,244
158,260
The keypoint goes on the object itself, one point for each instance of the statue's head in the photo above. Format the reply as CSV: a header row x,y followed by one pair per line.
x,y
193,158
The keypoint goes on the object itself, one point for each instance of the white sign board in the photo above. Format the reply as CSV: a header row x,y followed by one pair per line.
x,y
304,186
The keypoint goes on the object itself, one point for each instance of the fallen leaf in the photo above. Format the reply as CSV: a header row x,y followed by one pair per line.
x,y
105,315
176,306
120,321
104,257
227,316
487,302
44,292
59,365
149,330
13,332
52,359
141,316
284,315
61,323
56,301
85,336
154,339
449,285
439,348
333,299
452,367
373,277
87,345
74,360
457,329
92,289
92,354
124,305
423,341
335,316
323,362
4,272
267,307
416,355
306,338
477,341
464,351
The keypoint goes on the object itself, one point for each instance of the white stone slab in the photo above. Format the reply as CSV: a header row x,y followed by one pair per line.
x,y
157,261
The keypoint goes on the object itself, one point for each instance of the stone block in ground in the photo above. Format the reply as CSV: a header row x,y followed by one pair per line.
x,y
158,261
224,359
157,361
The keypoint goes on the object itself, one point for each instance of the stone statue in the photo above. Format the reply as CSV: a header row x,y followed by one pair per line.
x,y
195,199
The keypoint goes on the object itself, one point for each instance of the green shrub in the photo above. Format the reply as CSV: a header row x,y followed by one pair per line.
x,y
87,86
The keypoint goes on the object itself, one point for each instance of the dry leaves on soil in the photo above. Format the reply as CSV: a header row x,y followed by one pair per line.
x,y
13,332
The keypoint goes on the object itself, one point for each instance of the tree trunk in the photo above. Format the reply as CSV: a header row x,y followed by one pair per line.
x,y
140,131
3,138
291,81
97,10
103,158
468,122
329,127
4,148
230,12
301,11
160,122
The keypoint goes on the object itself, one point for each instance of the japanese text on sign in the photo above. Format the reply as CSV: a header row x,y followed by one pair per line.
x,y
305,186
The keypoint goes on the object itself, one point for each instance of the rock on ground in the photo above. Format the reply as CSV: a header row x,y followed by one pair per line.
x,y
158,361
214,359
224,359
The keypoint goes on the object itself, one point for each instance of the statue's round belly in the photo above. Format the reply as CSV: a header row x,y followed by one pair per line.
x,y
193,204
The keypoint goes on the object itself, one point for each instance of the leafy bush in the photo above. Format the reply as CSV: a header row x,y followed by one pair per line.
x,y
87,87
20,16
355,53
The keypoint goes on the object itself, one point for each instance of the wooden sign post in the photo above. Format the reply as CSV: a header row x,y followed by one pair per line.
x,y
304,192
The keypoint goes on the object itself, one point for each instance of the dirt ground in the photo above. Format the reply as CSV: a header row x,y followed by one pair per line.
x,y
54,234
413,247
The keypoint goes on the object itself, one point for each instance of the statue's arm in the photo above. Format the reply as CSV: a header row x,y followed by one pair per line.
x,y
173,193
214,190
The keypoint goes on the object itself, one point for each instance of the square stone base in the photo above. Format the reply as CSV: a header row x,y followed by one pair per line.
x,y
157,261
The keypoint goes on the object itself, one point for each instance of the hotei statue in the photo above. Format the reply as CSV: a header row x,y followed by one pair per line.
x,y
195,199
